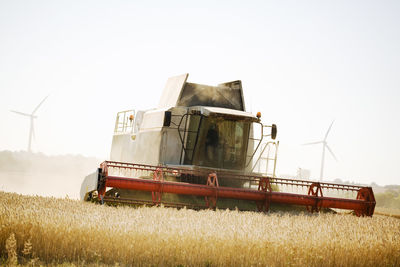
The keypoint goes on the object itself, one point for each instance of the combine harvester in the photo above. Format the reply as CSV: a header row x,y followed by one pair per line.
x,y
201,149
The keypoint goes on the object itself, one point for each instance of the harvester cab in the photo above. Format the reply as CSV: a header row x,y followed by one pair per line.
x,y
200,148
194,126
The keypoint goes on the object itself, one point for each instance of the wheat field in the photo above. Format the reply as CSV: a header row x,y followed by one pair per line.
x,y
388,212
50,231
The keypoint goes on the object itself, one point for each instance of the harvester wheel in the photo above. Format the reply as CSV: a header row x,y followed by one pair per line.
x,y
212,180
156,195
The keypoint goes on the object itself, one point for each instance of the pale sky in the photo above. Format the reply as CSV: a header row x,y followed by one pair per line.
x,y
302,64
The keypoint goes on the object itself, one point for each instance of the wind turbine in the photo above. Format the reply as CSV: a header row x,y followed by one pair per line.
x,y
32,116
324,146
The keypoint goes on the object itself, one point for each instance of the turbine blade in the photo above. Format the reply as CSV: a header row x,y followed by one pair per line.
x,y
39,105
312,143
326,135
21,113
330,150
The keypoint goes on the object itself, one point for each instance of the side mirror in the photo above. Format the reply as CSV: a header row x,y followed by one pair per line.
x,y
274,131
167,118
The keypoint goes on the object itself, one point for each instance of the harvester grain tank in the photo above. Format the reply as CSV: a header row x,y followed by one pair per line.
x,y
200,148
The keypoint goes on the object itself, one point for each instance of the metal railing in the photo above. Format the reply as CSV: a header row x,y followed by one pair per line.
x,y
124,121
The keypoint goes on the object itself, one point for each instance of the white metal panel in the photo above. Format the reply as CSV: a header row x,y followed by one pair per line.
x,y
153,119
123,147
172,91
148,147
89,184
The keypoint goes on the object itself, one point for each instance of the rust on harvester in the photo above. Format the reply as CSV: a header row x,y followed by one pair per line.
x,y
201,149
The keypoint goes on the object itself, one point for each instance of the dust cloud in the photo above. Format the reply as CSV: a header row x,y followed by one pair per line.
x,y
39,174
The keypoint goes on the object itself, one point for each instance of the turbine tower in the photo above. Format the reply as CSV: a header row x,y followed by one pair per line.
x,y
324,146
32,117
